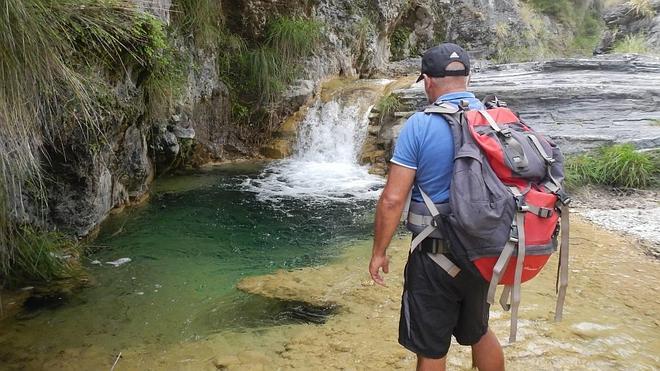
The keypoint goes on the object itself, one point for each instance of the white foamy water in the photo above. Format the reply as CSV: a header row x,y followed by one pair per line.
x,y
325,164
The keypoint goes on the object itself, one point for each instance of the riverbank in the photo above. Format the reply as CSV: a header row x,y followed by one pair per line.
x,y
610,319
632,212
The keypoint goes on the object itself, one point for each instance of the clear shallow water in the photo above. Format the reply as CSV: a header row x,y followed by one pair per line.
x,y
189,246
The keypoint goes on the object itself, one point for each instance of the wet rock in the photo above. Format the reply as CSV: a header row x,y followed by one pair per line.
x,y
166,148
276,149
300,92
135,171
184,133
119,262
224,362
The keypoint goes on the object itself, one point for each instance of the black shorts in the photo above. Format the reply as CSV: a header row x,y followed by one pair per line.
x,y
436,306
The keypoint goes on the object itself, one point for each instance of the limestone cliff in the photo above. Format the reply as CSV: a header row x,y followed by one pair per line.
x,y
197,125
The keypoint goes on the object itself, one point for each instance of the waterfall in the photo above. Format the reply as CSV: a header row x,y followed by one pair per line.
x,y
324,165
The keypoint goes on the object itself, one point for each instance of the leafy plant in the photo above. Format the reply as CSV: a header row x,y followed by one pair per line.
x,y
260,73
555,8
293,37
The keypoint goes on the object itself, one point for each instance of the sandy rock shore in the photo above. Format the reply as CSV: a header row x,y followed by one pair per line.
x,y
611,319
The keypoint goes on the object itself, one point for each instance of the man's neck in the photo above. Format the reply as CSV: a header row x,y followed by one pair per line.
x,y
434,98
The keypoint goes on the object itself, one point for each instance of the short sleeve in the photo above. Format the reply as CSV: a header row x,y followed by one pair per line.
x,y
406,149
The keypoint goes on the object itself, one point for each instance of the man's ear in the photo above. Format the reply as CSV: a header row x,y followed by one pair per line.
x,y
427,81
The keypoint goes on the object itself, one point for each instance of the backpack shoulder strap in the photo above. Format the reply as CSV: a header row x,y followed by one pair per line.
x,y
445,108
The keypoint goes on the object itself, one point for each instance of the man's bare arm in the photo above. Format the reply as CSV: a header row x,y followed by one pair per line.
x,y
388,213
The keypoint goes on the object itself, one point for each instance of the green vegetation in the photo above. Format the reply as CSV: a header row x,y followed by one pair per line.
x,y
632,44
274,64
258,72
41,257
387,105
588,29
555,8
399,42
51,56
202,20
618,166
581,20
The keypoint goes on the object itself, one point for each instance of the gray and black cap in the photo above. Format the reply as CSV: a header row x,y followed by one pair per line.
x,y
436,59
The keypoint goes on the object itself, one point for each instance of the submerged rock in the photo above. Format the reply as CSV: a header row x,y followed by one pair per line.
x,y
119,262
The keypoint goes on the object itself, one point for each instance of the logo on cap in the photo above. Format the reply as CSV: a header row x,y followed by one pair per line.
x,y
454,55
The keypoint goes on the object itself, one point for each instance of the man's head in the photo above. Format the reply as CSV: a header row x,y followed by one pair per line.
x,y
445,69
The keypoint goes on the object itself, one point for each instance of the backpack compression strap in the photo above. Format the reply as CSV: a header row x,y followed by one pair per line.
x,y
562,270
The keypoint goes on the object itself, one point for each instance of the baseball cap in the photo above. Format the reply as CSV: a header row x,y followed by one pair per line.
x,y
436,59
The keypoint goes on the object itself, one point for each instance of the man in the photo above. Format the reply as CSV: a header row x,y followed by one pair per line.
x,y
435,305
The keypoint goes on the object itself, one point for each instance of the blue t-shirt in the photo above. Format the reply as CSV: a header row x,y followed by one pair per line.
x,y
425,144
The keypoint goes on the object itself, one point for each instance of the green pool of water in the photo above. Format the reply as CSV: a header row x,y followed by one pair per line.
x,y
196,238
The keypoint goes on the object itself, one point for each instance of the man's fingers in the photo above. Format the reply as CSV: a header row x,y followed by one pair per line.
x,y
378,279
374,270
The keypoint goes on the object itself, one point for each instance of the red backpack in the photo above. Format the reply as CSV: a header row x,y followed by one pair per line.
x,y
506,203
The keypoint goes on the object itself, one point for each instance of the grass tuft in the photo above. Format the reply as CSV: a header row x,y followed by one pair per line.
x,y
259,73
293,38
202,20
618,166
42,257
632,44
387,105
642,8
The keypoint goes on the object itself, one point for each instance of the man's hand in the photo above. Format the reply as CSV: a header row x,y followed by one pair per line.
x,y
377,262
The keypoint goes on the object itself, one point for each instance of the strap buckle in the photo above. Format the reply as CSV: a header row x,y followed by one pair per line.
x,y
505,132
544,212
563,197
513,235
520,204
436,221
558,191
